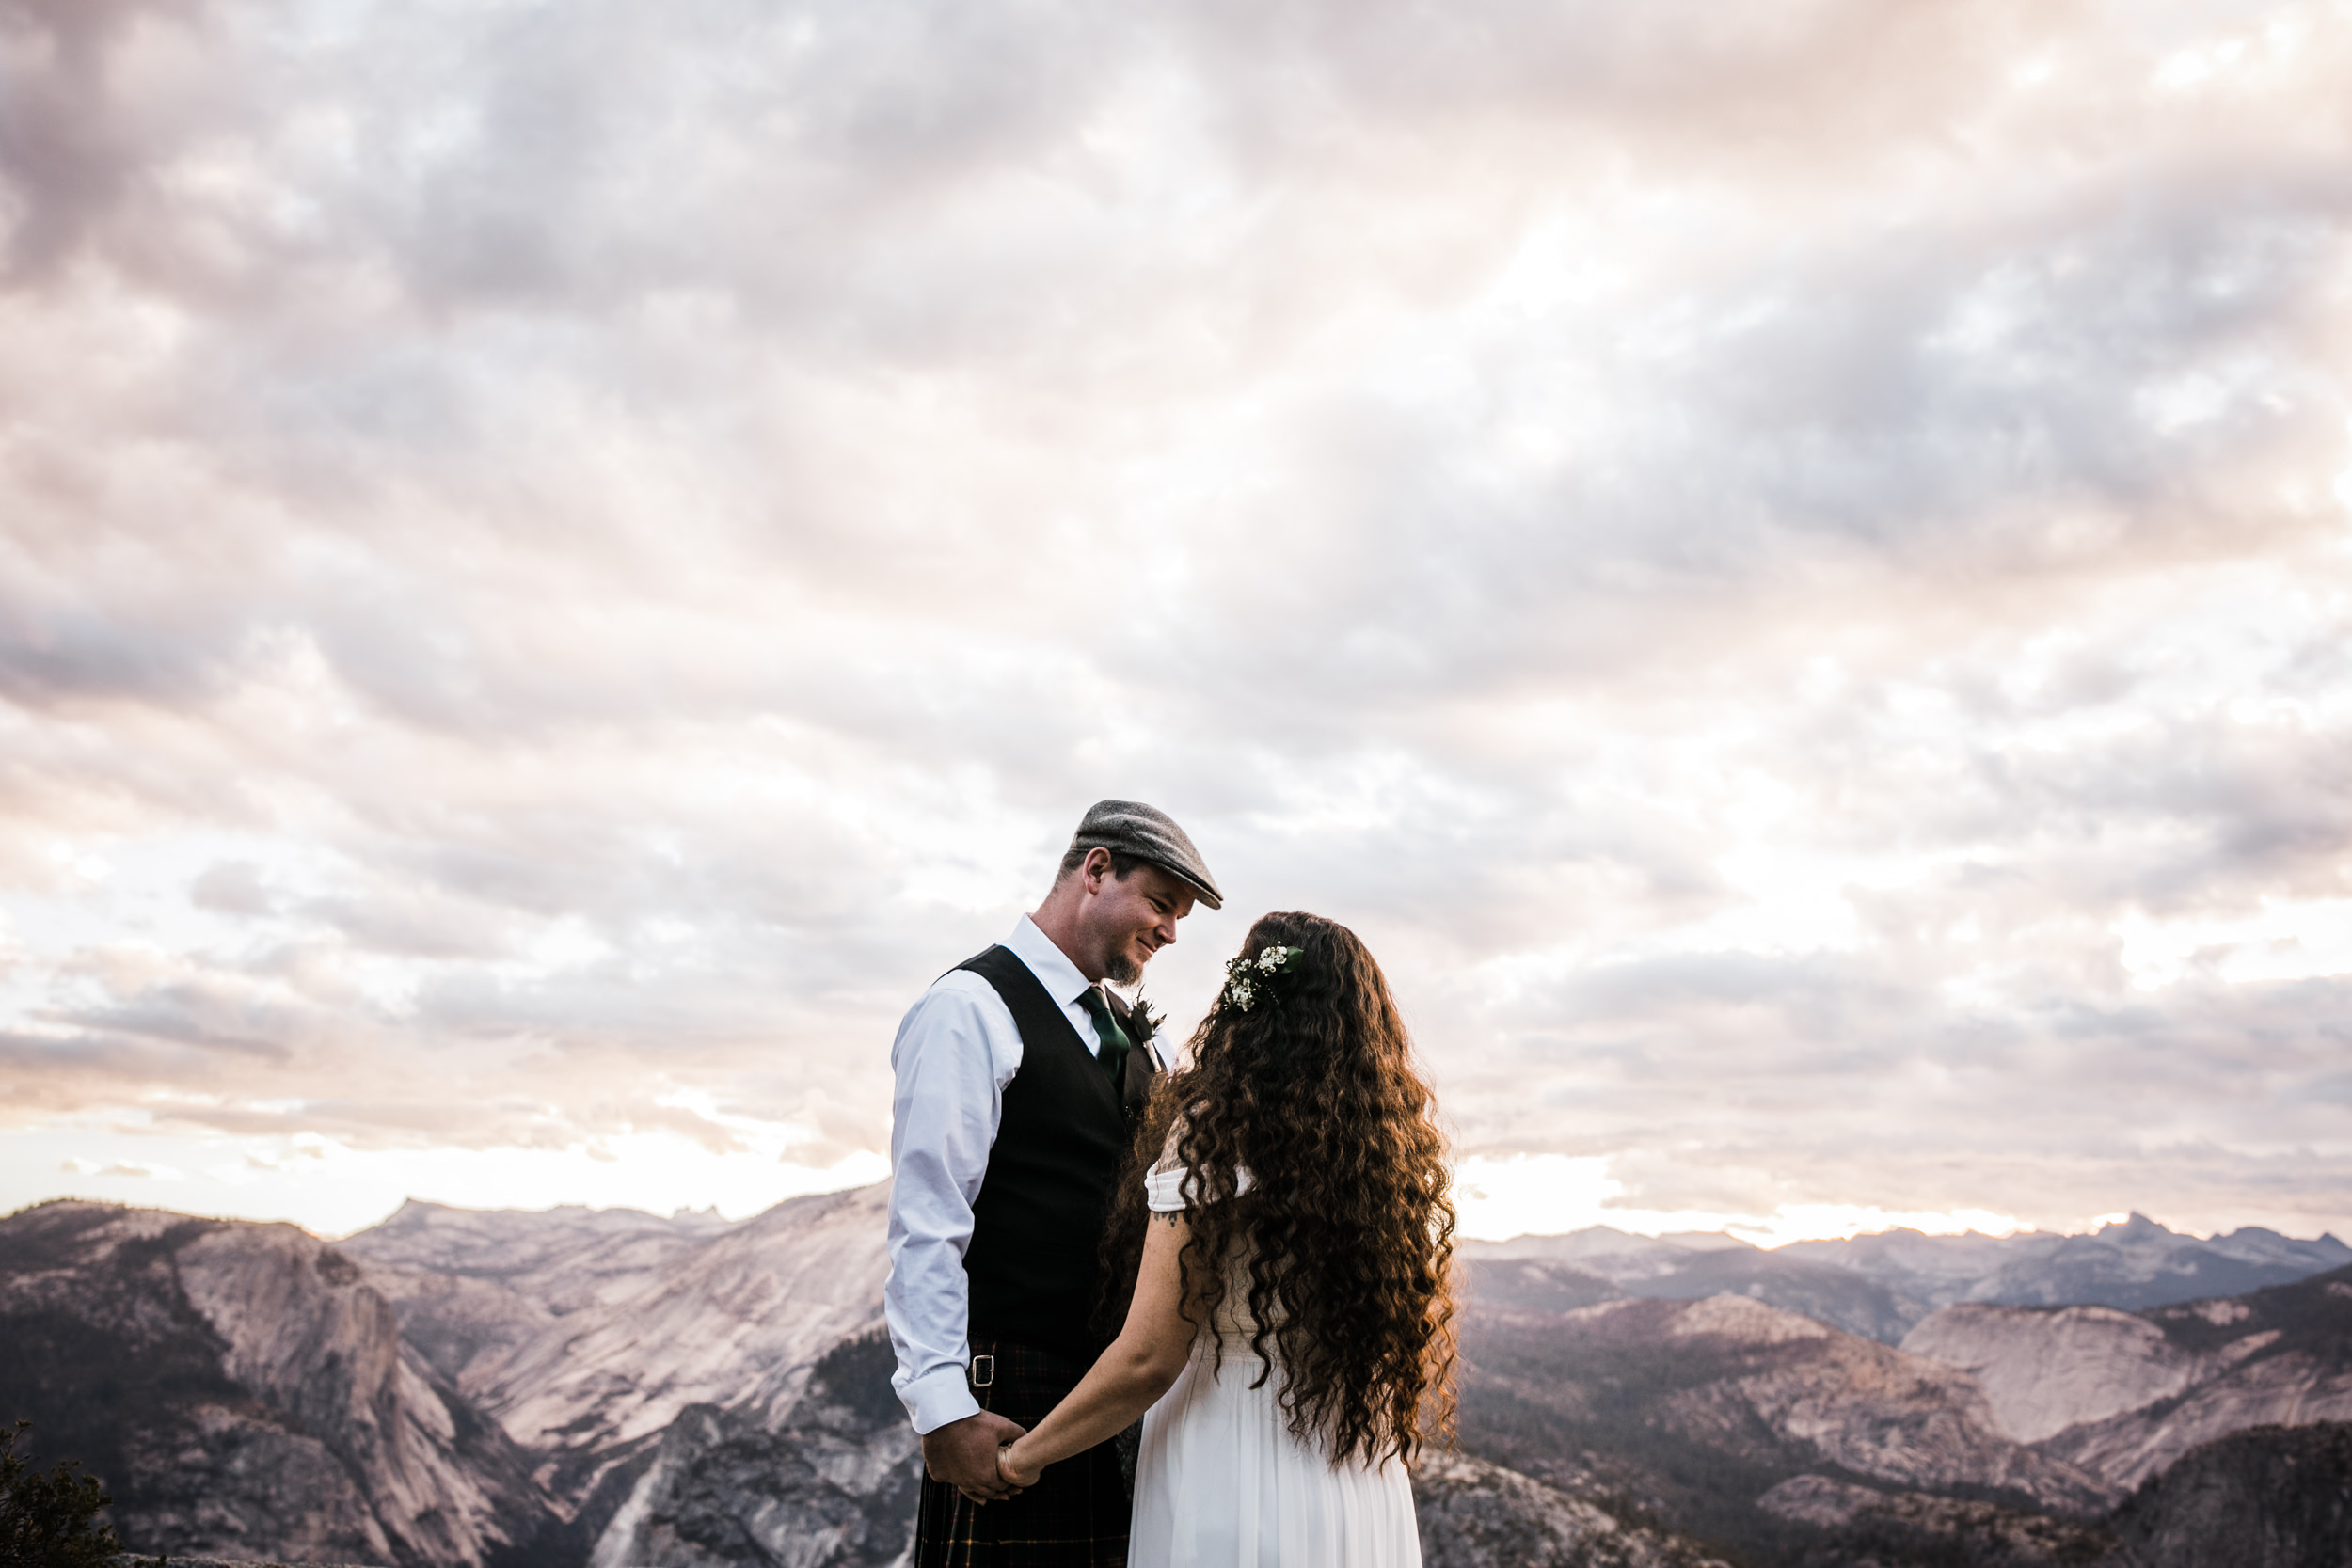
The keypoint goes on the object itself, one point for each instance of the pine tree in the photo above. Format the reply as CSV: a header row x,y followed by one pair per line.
x,y
49,1521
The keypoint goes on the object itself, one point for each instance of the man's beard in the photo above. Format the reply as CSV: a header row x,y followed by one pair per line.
x,y
1120,968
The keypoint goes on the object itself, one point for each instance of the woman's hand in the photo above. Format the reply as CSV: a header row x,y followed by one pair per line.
x,y
1143,1363
1009,1466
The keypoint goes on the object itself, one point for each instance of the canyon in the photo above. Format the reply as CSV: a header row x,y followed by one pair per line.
x,y
580,1388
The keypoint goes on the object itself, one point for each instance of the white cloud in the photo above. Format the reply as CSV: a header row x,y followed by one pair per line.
x,y
2286,940
559,562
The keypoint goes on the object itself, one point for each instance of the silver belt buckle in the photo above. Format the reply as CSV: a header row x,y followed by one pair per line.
x,y
983,1371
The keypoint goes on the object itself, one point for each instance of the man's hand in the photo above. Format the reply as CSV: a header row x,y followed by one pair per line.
x,y
963,1454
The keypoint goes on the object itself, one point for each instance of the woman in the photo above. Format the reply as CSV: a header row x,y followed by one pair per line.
x,y
1292,1300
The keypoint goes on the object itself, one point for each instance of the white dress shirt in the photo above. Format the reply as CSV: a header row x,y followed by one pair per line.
x,y
956,1051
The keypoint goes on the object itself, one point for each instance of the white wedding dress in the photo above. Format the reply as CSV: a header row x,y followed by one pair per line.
x,y
1220,1482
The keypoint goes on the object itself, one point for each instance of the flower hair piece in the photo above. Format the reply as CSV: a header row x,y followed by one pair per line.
x,y
1248,980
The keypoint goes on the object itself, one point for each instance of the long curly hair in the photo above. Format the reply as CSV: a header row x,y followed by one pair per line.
x,y
1347,1227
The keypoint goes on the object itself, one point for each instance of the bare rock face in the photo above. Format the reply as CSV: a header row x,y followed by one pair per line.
x,y
476,1390
464,1328
2268,1498
738,1322
620,1390
1473,1515
549,1253
832,1486
473,1286
1761,1387
245,1392
2287,1389
2125,1395
631,1353
2045,1371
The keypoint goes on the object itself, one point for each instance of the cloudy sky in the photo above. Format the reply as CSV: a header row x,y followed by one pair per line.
x,y
1788,566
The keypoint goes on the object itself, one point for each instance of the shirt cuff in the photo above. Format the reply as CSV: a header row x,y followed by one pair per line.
x,y
938,1396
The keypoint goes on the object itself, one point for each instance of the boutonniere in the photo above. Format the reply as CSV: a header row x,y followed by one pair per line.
x,y
1142,1022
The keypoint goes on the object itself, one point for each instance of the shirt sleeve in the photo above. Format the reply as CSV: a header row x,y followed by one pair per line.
x,y
951,1067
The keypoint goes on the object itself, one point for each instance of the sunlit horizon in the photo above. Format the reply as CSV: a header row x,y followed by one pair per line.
x,y
1497,1200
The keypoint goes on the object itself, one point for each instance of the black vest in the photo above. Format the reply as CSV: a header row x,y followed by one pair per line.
x,y
1037,1227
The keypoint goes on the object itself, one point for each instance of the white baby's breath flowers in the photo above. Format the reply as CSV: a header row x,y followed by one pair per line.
x,y
1245,977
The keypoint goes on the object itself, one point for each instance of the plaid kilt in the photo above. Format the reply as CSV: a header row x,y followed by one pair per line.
x,y
1075,1516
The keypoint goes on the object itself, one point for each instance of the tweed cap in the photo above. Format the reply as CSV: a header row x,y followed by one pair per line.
x,y
1132,827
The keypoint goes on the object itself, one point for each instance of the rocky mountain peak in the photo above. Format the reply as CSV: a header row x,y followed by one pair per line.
x,y
2138,1227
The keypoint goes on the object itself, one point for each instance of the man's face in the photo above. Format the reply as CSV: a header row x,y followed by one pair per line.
x,y
1129,920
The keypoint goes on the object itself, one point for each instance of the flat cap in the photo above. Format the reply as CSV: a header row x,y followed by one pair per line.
x,y
1132,827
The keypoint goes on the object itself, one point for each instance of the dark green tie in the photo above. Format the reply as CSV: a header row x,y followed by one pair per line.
x,y
1113,1055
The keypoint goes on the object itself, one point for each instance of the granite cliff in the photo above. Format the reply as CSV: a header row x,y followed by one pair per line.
x,y
1690,1412
243,1390
589,1341
2125,1395
608,1389
1993,1436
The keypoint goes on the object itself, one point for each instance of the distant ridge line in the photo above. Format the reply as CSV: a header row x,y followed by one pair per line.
x,y
148,1559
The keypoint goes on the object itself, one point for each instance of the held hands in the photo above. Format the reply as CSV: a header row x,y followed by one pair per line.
x,y
963,1454
1015,1467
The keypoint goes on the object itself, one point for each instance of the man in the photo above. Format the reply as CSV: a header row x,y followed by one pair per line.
x,y
1018,1086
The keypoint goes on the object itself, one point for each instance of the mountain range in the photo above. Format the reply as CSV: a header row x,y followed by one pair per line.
x,y
503,1389
1881,1286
